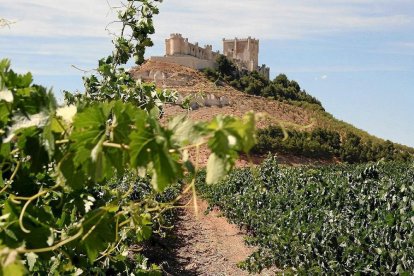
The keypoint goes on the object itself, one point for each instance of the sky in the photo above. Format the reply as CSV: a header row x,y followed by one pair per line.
x,y
355,56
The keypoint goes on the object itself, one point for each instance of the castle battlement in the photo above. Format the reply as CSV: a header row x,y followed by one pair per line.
x,y
242,39
176,35
177,45
244,52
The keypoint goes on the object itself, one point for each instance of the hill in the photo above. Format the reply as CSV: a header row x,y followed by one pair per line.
x,y
188,81
301,119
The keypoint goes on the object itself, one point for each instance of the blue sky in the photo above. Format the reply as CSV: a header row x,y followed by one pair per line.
x,y
356,56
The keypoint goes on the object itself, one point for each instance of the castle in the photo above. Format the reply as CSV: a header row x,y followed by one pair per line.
x,y
243,52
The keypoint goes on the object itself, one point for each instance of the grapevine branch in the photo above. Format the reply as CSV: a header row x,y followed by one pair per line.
x,y
29,200
10,181
54,247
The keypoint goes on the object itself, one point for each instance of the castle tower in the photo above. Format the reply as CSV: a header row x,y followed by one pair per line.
x,y
208,52
176,45
244,52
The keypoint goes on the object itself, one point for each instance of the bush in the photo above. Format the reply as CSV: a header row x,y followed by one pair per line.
x,y
322,143
281,88
319,143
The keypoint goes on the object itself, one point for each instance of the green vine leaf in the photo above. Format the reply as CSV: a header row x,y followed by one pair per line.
x,y
99,231
149,147
124,117
15,268
139,140
89,132
216,168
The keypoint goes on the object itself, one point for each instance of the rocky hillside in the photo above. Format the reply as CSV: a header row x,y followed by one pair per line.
x,y
208,99
207,95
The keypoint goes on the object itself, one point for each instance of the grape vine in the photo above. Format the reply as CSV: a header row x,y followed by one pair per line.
x,y
70,173
333,220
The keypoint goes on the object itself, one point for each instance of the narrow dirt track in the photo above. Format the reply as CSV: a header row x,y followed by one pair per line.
x,y
206,244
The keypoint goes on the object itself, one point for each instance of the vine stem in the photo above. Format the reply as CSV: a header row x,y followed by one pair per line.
x,y
64,141
62,126
116,228
115,145
191,186
29,200
11,178
93,227
25,207
36,195
186,190
105,144
194,146
194,179
109,250
53,247
125,222
170,206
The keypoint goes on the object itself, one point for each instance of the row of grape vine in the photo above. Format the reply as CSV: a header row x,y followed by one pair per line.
x,y
338,220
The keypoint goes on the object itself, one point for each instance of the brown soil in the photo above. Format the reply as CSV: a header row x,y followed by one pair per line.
x,y
203,244
255,159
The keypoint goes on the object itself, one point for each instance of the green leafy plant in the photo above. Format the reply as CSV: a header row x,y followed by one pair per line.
x,y
281,88
83,184
323,143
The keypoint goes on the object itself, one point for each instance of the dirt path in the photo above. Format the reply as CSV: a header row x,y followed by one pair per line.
x,y
203,245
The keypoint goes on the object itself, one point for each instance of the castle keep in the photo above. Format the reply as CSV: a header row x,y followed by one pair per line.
x,y
243,52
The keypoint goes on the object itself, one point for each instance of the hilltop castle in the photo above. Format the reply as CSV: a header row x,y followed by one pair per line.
x,y
243,52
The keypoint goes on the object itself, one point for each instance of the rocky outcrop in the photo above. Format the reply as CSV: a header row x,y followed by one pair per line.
x,y
197,101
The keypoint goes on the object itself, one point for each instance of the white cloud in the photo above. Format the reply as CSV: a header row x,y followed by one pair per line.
x,y
212,19
46,56
272,19
321,78
71,24
51,18
343,69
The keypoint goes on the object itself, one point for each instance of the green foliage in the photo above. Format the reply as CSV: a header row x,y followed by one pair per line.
x,y
226,67
326,121
281,88
318,143
230,136
114,82
329,220
82,183
50,168
322,143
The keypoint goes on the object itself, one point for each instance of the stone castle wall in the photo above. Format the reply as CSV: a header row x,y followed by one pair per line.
x,y
188,61
243,52
177,45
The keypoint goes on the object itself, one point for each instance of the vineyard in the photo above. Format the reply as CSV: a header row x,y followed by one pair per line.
x,y
86,183
329,220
